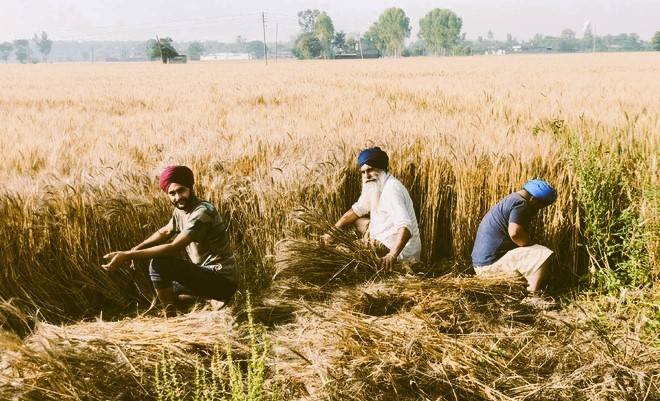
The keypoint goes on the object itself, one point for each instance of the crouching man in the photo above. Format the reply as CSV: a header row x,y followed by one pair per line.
x,y
391,224
503,244
197,226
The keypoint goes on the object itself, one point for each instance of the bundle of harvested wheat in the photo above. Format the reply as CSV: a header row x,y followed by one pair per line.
x,y
348,260
111,360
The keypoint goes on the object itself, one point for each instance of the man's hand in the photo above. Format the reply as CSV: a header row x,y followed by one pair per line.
x,y
116,258
326,240
135,248
387,261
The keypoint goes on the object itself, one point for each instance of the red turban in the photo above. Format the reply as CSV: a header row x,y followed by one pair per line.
x,y
176,174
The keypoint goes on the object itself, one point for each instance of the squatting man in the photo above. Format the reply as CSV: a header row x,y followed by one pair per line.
x,y
391,223
503,244
196,225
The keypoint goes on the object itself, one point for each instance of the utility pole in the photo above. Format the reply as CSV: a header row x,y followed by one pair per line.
x,y
162,56
263,25
593,40
276,32
360,44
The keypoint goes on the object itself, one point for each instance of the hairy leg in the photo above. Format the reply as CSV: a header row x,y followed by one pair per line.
x,y
534,280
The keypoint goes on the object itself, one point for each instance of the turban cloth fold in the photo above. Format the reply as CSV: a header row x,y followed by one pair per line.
x,y
375,157
541,190
176,174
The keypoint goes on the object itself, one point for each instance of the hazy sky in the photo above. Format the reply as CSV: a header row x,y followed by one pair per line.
x,y
223,20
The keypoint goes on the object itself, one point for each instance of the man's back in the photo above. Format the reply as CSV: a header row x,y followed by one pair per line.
x,y
493,239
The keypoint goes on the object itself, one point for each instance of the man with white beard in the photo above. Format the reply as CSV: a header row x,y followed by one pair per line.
x,y
391,222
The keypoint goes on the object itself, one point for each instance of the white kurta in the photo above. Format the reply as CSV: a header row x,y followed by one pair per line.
x,y
395,211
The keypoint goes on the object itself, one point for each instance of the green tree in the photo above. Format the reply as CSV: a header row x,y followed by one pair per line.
x,y
440,29
417,48
325,32
162,49
655,41
307,20
5,50
568,34
374,37
22,50
389,33
567,42
339,40
307,46
44,44
195,50
255,49
351,45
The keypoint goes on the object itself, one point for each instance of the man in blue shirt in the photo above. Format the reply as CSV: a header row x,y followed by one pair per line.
x,y
503,244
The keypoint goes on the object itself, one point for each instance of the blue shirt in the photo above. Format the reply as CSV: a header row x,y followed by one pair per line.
x,y
493,239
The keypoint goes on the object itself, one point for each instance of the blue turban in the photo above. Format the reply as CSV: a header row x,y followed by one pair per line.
x,y
375,157
541,190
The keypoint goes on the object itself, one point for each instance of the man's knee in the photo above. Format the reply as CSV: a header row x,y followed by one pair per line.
x,y
160,269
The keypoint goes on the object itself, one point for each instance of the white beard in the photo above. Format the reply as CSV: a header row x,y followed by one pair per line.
x,y
373,190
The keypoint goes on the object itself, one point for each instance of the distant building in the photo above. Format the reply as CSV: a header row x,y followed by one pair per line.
x,y
225,56
125,59
181,59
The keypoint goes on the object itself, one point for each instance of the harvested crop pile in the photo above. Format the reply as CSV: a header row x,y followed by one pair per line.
x,y
337,328
348,260
460,338
406,338
109,360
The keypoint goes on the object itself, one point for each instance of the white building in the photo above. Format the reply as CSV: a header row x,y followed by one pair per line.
x,y
225,56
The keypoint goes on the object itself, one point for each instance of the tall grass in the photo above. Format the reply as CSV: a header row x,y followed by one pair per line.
x,y
80,177
225,378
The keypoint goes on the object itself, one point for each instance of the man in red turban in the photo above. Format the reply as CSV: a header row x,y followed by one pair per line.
x,y
197,227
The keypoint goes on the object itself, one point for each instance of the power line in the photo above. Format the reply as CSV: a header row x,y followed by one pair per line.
x,y
150,27
263,24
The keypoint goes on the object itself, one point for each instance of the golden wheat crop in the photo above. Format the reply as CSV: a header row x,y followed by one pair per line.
x,y
82,145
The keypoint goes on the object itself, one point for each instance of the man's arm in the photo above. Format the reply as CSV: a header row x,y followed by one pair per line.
x,y
519,235
347,219
402,238
158,237
116,258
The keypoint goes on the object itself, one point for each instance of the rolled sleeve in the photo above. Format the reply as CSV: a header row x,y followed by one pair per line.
x,y
361,207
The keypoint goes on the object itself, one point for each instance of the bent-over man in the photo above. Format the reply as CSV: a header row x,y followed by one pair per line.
x,y
391,217
197,226
503,244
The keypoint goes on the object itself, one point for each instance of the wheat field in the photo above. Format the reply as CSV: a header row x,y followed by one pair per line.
x,y
83,144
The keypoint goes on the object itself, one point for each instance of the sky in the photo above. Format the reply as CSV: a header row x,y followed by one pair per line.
x,y
186,20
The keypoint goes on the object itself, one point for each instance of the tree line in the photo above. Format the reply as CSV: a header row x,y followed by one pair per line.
x,y
439,30
21,48
440,34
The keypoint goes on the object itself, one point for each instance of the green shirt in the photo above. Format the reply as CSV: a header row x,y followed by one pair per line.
x,y
210,242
